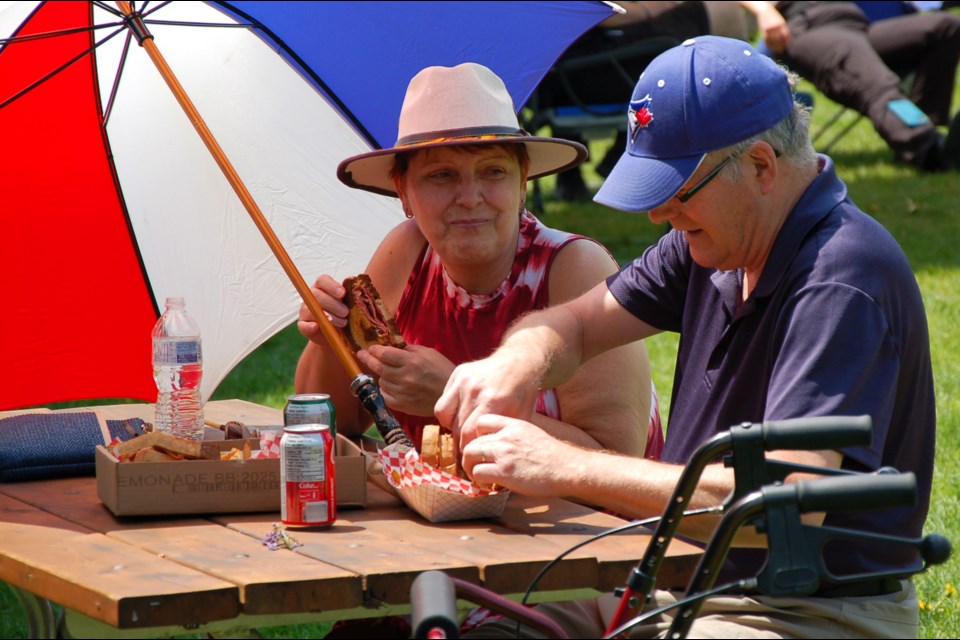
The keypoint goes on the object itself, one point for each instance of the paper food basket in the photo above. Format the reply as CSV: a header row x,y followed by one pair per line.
x,y
437,495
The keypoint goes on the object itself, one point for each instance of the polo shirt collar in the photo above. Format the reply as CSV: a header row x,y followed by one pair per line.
x,y
820,198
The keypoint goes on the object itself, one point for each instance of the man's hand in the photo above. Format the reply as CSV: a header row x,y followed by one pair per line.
x,y
519,456
498,384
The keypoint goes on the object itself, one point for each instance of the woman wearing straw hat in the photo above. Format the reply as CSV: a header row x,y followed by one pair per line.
x,y
468,261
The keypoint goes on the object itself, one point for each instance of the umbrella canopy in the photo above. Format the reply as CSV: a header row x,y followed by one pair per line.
x,y
111,202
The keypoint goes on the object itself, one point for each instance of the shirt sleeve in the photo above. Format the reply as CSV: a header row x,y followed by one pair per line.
x,y
653,287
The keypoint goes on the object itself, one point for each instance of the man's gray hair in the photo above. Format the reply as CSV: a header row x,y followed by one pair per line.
x,y
790,137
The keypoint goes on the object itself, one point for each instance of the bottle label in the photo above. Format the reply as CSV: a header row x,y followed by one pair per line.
x,y
188,352
179,352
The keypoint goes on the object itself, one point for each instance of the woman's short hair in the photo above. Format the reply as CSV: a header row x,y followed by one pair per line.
x,y
402,159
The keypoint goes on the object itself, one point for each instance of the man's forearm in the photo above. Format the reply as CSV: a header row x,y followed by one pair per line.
x,y
548,344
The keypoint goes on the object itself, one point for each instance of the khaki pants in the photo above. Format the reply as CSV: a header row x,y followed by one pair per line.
x,y
890,616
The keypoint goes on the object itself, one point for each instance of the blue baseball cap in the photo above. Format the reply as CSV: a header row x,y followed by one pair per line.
x,y
702,95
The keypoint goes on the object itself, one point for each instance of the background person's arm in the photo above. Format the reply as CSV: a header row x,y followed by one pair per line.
x,y
771,24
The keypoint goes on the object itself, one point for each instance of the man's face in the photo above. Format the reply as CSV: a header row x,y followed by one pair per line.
x,y
720,221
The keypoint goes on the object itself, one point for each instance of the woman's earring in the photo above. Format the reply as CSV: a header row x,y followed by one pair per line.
x,y
407,213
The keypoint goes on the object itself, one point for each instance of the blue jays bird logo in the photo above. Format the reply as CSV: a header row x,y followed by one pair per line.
x,y
639,115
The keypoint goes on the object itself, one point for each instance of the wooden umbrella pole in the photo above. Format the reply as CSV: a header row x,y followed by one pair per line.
x,y
333,337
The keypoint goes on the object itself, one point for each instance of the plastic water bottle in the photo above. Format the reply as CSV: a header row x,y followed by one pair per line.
x,y
177,369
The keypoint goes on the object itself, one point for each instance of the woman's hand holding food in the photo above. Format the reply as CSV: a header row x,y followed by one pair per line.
x,y
411,379
329,293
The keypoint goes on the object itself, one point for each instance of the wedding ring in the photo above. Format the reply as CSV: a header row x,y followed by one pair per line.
x,y
483,456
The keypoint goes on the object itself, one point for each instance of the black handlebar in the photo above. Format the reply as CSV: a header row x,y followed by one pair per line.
x,y
846,493
820,432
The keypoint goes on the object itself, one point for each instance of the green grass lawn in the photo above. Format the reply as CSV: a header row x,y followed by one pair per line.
x,y
922,212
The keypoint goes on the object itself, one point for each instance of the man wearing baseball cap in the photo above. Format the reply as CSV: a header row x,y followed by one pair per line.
x,y
790,302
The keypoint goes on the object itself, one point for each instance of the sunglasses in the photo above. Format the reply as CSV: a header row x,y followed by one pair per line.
x,y
710,176
706,180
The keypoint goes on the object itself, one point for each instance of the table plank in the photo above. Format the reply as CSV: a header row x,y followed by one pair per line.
x,y
103,578
117,411
507,562
389,567
216,412
73,499
566,524
270,582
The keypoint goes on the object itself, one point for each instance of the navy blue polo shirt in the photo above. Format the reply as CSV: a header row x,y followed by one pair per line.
x,y
835,326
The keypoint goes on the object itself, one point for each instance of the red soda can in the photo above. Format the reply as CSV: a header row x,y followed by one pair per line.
x,y
307,476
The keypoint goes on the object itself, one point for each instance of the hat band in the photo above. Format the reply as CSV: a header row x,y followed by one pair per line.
x,y
482,133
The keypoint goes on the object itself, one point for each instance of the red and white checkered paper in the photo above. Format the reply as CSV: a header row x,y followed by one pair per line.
x,y
437,495
269,445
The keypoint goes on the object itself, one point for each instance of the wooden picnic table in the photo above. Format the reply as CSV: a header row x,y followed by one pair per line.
x,y
159,576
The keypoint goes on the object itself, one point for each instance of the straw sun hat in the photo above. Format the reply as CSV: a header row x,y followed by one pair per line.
x,y
445,106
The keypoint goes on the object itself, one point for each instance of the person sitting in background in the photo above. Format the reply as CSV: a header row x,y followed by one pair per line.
x,y
850,59
467,262
789,301
834,45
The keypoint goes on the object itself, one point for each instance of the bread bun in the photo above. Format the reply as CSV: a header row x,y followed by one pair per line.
x,y
437,449
430,445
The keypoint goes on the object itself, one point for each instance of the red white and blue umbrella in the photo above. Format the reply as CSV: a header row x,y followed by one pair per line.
x,y
110,200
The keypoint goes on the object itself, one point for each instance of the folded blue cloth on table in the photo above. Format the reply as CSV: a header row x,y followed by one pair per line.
x,y
39,446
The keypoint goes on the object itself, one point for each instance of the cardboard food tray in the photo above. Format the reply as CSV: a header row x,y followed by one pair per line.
x,y
214,486
437,495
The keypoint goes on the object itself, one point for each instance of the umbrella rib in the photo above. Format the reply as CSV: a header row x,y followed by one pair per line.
x,y
59,32
143,8
66,64
107,8
178,23
116,79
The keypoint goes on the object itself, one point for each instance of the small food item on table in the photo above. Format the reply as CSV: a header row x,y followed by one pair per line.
x,y
179,448
236,453
149,454
234,430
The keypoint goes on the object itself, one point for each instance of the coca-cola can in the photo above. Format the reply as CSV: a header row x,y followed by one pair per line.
x,y
311,408
307,476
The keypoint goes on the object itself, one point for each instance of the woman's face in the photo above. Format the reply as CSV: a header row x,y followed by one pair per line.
x,y
466,202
